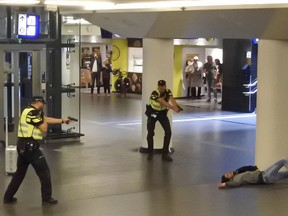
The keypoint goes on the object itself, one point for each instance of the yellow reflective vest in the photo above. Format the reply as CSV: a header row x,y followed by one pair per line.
x,y
29,130
155,95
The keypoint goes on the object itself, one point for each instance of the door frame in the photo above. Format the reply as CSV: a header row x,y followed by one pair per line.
x,y
39,54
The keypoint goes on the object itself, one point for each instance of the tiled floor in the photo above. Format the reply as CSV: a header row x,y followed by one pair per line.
x,y
103,174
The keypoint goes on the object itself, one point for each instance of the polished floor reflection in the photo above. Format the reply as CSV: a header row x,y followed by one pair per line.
x,y
103,174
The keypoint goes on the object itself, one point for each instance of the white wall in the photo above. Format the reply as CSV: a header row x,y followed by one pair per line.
x,y
135,57
190,50
85,30
202,52
71,74
215,53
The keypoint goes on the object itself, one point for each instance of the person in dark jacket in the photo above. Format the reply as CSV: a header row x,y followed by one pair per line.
x,y
95,67
105,75
252,175
209,70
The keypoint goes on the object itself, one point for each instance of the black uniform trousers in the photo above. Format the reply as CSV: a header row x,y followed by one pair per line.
x,y
38,162
95,76
163,119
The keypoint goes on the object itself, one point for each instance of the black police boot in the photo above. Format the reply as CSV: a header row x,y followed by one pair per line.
x,y
10,200
50,201
166,157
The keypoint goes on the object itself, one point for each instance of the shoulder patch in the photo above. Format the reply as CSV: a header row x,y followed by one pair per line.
x,y
33,112
154,95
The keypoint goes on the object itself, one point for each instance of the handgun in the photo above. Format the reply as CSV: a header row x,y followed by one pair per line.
x,y
72,119
180,108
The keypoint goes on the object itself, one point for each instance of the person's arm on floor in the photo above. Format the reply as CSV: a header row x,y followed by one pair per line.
x,y
222,185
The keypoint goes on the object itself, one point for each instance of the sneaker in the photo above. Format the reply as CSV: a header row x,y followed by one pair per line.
x,y
166,157
150,157
208,100
50,201
215,100
10,200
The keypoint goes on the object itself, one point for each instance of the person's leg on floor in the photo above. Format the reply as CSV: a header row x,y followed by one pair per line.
x,y
272,174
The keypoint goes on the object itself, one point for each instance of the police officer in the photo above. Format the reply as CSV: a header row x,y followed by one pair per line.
x,y
157,111
32,125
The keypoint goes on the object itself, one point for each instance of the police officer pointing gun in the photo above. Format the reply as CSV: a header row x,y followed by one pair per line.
x,y
33,125
157,110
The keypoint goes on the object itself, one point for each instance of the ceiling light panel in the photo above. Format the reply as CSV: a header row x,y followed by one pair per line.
x,y
166,5
17,2
76,3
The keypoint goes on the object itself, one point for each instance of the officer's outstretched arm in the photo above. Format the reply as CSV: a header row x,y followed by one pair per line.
x,y
51,120
173,101
168,105
43,127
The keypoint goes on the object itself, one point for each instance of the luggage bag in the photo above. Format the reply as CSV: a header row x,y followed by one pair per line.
x,y
11,154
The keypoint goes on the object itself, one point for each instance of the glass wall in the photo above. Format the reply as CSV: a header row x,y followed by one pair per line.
x,y
3,23
71,91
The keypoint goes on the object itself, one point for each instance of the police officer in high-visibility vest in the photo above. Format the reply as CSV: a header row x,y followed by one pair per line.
x,y
157,111
32,125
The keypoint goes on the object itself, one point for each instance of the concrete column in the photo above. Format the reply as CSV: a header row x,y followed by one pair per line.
x,y
272,102
158,63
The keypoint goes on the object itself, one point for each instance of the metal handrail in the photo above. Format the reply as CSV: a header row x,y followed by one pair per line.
x,y
251,84
250,92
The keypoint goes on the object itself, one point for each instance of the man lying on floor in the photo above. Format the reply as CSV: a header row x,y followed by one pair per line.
x,y
252,175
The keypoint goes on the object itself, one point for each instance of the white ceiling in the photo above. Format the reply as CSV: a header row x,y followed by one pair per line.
x,y
265,21
240,23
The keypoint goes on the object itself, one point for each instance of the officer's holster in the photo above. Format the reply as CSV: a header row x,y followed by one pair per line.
x,y
27,145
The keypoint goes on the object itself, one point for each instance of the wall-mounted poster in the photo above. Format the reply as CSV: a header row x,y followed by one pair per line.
x,y
135,82
94,49
85,51
135,42
85,57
